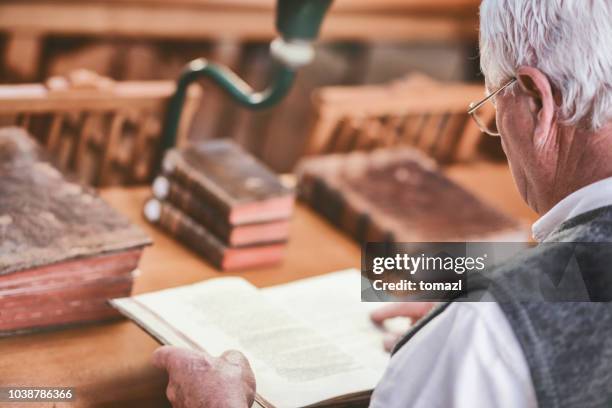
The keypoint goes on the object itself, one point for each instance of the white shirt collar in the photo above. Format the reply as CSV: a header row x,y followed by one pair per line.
x,y
591,197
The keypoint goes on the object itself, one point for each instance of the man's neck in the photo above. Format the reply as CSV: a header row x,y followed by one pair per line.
x,y
585,157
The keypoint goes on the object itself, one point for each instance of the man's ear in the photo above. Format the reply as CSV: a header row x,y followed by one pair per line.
x,y
536,85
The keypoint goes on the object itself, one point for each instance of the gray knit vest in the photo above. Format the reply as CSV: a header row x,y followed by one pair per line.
x,y
567,345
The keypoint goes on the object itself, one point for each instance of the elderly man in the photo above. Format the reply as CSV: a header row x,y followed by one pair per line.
x,y
548,67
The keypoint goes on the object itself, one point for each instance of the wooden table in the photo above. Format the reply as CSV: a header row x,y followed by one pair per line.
x,y
109,364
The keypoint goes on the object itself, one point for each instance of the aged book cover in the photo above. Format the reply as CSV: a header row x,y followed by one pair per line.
x,y
202,241
231,235
61,245
230,181
302,352
399,195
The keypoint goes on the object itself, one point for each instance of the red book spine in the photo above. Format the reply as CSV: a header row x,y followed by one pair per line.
x,y
196,237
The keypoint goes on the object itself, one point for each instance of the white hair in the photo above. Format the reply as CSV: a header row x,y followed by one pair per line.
x,y
568,40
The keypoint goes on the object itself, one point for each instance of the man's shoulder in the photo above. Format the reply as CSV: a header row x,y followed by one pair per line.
x,y
584,235
591,226
572,265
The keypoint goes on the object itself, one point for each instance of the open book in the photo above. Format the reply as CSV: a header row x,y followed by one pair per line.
x,y
309,342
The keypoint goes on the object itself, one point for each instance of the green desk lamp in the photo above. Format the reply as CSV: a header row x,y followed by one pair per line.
x,y
298,22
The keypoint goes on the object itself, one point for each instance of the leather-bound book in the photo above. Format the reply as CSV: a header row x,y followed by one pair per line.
x,y
230,181
399,195
231,235
199,239
63,250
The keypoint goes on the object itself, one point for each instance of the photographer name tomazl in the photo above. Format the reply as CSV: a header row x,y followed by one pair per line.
x,y
446,272
408,285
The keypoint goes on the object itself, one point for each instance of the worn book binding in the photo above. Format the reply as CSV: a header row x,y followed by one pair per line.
x,y
224,204
399,195
302,352
63,250
232,182
214,221
202,241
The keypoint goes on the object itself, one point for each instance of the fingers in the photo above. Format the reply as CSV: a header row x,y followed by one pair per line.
x,y
161,355
234,357
378,316
177,362
196,379
237,358
390,340
414,310
168,357
171,393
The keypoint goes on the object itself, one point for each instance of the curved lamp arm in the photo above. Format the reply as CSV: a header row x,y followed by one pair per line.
x,y
298,22
232,84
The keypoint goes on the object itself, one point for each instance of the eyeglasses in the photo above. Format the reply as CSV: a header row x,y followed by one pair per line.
x,y
486,126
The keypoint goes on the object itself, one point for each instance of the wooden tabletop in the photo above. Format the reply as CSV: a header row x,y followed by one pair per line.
x,y
109,364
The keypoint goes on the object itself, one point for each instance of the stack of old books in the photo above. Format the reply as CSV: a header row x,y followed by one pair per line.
x,y
399,195
224,204
63,251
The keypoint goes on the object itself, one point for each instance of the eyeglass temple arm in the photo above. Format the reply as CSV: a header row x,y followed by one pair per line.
x,y
474,108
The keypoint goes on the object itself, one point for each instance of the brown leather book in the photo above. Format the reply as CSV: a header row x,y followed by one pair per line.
x,y
203,242
231,181
62,248
231,235
399,195
52,307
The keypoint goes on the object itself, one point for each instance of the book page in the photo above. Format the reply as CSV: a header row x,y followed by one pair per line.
x,y
332,304
294,365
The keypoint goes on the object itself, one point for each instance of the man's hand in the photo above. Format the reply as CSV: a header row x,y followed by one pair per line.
x,y
198,380
413,310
